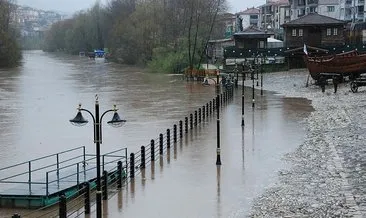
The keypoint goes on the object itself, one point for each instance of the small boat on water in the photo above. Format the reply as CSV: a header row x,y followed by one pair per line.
x,y
97,55
350,64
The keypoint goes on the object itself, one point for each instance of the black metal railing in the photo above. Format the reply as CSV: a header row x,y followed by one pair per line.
x,y
128,166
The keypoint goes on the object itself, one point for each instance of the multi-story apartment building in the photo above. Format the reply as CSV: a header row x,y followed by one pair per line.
x,y
274,13
347,10
352,10
249,17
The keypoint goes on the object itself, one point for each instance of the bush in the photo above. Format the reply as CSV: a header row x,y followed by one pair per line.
x,y
165,61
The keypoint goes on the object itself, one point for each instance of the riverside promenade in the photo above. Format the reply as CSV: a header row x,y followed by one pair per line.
x,y
327,177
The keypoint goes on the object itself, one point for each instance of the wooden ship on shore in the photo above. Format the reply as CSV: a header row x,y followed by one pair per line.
x,y
351,64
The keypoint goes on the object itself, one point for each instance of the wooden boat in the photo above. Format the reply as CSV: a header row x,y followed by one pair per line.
x,y
350,64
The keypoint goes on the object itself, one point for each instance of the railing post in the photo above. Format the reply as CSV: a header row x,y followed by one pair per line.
x,y
213,105
199,115
30,177
143,165
62,211
77,174
102,162
191,120
210,107
186,125
132,165
195,118
84,157
161,144
105,185
119,169
87,198
152,149
126,161
58,167
203,113
168,138
46,183
180,129
175,133
207,110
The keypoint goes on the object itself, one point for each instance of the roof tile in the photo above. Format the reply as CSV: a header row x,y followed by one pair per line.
x,y
313,19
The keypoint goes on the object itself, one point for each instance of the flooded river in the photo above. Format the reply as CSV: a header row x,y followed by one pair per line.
x,y
38,99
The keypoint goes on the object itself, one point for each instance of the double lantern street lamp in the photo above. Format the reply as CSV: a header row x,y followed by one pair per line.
x,y
116,121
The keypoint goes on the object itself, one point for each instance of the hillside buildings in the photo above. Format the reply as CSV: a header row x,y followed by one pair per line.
x,y
33,21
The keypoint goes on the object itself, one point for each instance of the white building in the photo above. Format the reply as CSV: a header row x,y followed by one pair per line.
x,y
250,17
346,10
274,13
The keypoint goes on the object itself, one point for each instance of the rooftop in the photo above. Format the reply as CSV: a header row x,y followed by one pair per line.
x,y
276,2
313,19
252,32
252,10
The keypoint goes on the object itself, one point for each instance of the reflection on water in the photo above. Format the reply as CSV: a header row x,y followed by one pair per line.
x,y
218,178
39,98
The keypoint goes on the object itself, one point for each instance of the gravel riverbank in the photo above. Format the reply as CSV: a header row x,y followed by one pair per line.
x,y
328,173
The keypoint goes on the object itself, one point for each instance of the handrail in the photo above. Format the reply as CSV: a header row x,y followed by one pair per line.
x,y
115,156
15,182
67,166
62,171
122,149
26,162
38,169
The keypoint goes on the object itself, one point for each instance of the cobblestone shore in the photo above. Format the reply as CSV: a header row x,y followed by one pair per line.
x,y
328,173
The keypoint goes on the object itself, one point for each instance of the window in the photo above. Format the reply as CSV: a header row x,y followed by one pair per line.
x,y
253,17
300,32
329,31
261,44
301,12
287,12
335,31
330,8
293,32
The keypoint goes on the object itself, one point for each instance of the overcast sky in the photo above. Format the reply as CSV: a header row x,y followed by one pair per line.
x,y
70,6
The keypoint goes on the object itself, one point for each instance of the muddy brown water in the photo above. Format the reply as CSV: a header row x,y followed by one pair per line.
x,y
39,97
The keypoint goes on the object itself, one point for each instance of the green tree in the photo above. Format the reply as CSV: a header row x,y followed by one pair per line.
x,y
166,35
9,49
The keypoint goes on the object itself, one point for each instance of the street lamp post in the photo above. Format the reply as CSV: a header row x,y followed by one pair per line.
x,y
242,100
218,149
97,121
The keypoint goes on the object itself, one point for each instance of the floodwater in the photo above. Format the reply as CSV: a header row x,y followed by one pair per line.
x,y
38,99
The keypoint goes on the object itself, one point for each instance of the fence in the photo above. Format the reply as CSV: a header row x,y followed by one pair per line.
x,y
81,201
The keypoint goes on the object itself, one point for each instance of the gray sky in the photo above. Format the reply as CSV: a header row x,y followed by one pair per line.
x,y
71,6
